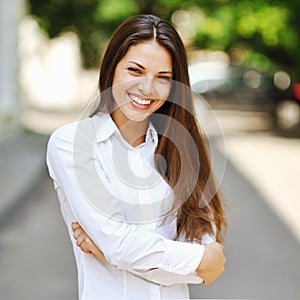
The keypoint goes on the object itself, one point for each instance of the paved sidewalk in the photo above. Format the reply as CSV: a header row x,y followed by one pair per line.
x,y
272,165
22,161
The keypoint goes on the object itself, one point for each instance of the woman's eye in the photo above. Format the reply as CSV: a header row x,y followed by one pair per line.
x,y
134,70
165,78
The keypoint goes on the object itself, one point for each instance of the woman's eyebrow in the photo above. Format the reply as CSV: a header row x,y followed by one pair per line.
x,y
142,67
137,64
165,72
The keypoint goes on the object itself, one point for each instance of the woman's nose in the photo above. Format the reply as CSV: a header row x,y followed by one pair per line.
x,y
146,86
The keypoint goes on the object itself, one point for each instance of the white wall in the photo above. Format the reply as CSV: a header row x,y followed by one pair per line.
x,y
10,15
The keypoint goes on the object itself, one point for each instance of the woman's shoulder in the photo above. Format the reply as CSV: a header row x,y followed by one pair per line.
x,y
64,132
79,132
69,133
77,128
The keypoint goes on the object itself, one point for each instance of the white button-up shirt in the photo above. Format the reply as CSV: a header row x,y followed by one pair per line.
x,y
113,190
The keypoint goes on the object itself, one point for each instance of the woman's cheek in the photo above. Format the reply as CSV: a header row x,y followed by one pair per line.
x,y
125,77
163,91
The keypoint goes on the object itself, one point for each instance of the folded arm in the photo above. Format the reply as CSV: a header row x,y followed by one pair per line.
x,y
210,268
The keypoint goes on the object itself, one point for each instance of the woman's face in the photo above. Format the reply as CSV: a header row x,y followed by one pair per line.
x,y
142,82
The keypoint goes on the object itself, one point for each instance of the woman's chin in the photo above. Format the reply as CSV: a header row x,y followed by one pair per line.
x,y
137,117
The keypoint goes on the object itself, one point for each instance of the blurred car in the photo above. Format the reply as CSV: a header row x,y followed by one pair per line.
x,y
239,88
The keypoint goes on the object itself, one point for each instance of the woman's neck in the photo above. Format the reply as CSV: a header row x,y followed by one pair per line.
x,y
133,132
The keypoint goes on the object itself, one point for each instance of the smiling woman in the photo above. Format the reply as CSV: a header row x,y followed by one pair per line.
x,y
141,85
147,218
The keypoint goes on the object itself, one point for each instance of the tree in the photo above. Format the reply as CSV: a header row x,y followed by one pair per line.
x,y
265,31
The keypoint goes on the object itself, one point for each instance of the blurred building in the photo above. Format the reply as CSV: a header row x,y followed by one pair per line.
x,y
42,83
10,15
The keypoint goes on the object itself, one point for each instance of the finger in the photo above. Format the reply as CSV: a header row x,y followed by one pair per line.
x,y
75,225
99,255
80,240
86,246
78,232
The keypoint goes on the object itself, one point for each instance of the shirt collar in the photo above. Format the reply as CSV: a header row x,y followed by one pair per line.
x,y
107,127
151,135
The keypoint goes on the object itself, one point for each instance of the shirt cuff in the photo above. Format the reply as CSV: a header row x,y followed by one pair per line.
x,y
181,257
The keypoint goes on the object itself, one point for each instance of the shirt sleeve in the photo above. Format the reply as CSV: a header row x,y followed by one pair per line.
x,y
124,245
168,278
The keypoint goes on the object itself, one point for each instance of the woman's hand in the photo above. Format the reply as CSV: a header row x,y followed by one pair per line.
x,y
84,242
212,263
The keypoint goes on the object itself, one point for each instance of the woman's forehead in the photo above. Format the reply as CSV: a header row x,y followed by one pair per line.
x,y
151,54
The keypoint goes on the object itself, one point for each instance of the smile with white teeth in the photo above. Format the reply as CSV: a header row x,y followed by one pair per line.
x,y
139,100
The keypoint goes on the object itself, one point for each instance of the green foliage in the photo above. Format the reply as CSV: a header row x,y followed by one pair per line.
x,y
115,10
266,31
263,30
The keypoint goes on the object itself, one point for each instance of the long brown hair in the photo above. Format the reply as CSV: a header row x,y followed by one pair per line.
x,y
198,205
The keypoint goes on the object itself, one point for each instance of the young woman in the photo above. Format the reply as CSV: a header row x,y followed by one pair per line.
x,y
134,178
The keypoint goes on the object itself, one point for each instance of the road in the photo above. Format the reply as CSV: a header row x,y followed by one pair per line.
x,y
262,252
35,260
261,249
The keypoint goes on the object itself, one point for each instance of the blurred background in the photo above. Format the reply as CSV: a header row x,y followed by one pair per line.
x,y
244,67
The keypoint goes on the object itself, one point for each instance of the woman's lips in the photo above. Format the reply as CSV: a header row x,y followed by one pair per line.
x,y
139,102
